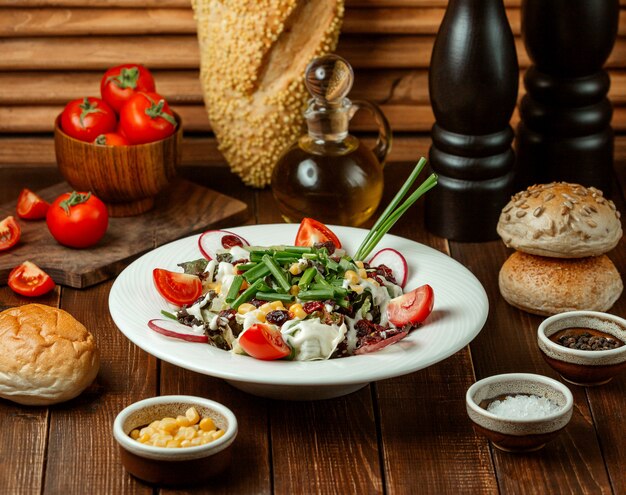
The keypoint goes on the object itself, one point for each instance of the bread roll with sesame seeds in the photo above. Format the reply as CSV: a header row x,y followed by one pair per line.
x,y
547,286
253,56
560,220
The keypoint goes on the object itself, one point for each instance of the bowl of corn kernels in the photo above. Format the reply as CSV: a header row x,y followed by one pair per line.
x,y
175,439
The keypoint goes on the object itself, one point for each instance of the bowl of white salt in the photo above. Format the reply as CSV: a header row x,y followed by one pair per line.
x,y
519,412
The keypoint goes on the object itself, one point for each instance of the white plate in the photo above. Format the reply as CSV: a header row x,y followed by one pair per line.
x,y
461,308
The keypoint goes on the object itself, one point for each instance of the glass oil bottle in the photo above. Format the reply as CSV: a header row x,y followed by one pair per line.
x,y
329,174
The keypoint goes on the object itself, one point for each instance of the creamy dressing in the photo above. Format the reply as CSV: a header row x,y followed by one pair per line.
x,y
312,339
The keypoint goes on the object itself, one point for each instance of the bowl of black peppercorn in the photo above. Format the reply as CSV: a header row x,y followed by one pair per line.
x,y
585,347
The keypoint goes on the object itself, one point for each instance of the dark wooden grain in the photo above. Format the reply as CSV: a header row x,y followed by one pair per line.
x,y
182,209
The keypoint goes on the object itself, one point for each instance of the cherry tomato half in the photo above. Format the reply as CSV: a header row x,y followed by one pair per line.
x,y
146,117
77,220
412,307
312,232
264,342
120,83
9,233
87,118
29,280
111,139
31,206
175,287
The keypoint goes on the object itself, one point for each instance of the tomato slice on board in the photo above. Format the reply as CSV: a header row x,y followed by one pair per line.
x,y
264,342
9,233
178,288
312,232
30,206
29,280
412,307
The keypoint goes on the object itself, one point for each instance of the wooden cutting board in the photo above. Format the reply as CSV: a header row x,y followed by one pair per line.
x,y
183,209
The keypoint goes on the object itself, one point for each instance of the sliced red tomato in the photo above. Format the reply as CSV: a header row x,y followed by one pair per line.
x,y
29,280
9,233
312,232
31,206
412,307
175,287
264,342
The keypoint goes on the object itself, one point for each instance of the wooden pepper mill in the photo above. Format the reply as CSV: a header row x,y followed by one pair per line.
x,y
473,82
565,133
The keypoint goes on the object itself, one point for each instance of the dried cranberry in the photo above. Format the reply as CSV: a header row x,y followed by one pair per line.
x,y
330,247
386,272
229,314
257,303
229,241
367,327
312,306
277,317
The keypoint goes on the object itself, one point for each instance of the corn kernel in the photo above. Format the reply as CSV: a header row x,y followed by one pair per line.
x,y
207,424
217,434
168,424
260,316
155,424
373,282
173,443
362,273
265,308
295,269
144,438
182,421
147,430
359,264
297,311
357,288
351,276
196,441
192,415
185,443
245,308
277,305
294,290
134,434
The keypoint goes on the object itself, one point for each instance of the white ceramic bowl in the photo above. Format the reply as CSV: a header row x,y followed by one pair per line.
x,y
518,435
578,366
174,466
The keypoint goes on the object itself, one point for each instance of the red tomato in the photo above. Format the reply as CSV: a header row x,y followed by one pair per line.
x,y
264,342
175,287
312,232
120,83
87,118
412,307
31,206
146,118
77,220
29,280
111,139
9,233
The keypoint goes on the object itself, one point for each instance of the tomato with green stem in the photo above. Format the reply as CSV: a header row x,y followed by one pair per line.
x,y
177,288
111,139
146,117
86,118
10,233
30,206
122,82
312,232
264,342
29,280
77,219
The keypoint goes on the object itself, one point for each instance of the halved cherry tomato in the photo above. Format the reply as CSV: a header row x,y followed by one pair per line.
x,y
146,117
87,118
412,307
31,206
111,139
9,233
312,232
123,81
175,287
29,280
264,342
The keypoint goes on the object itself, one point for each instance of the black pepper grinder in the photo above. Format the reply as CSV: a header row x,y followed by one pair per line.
x,y
565,133
473,82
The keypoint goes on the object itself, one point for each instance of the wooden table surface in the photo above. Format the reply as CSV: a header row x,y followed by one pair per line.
x,y
404,435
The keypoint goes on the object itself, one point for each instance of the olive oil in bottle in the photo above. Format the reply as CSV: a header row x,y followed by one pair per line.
x,y
328,174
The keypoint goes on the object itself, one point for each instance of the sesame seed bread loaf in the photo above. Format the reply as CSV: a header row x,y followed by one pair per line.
x,y
560,220
547,286
46,355
253,56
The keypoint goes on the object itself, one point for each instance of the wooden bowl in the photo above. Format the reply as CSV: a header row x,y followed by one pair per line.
x,y
126,178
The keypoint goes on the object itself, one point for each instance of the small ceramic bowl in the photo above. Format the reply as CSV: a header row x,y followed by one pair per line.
x,y
174,466
126,178
518,435
578,366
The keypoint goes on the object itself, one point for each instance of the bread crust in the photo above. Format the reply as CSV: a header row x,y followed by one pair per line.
x,y
253,56
46,355
560,220
547,286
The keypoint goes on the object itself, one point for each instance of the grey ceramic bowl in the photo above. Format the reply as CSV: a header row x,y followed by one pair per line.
x,y
518,435
583,367
174,466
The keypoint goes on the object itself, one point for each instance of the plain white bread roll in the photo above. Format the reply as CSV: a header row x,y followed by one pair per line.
x,y
547,286
560,220
46,355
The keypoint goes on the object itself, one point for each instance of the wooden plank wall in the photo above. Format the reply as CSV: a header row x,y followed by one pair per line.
x,y
52,51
